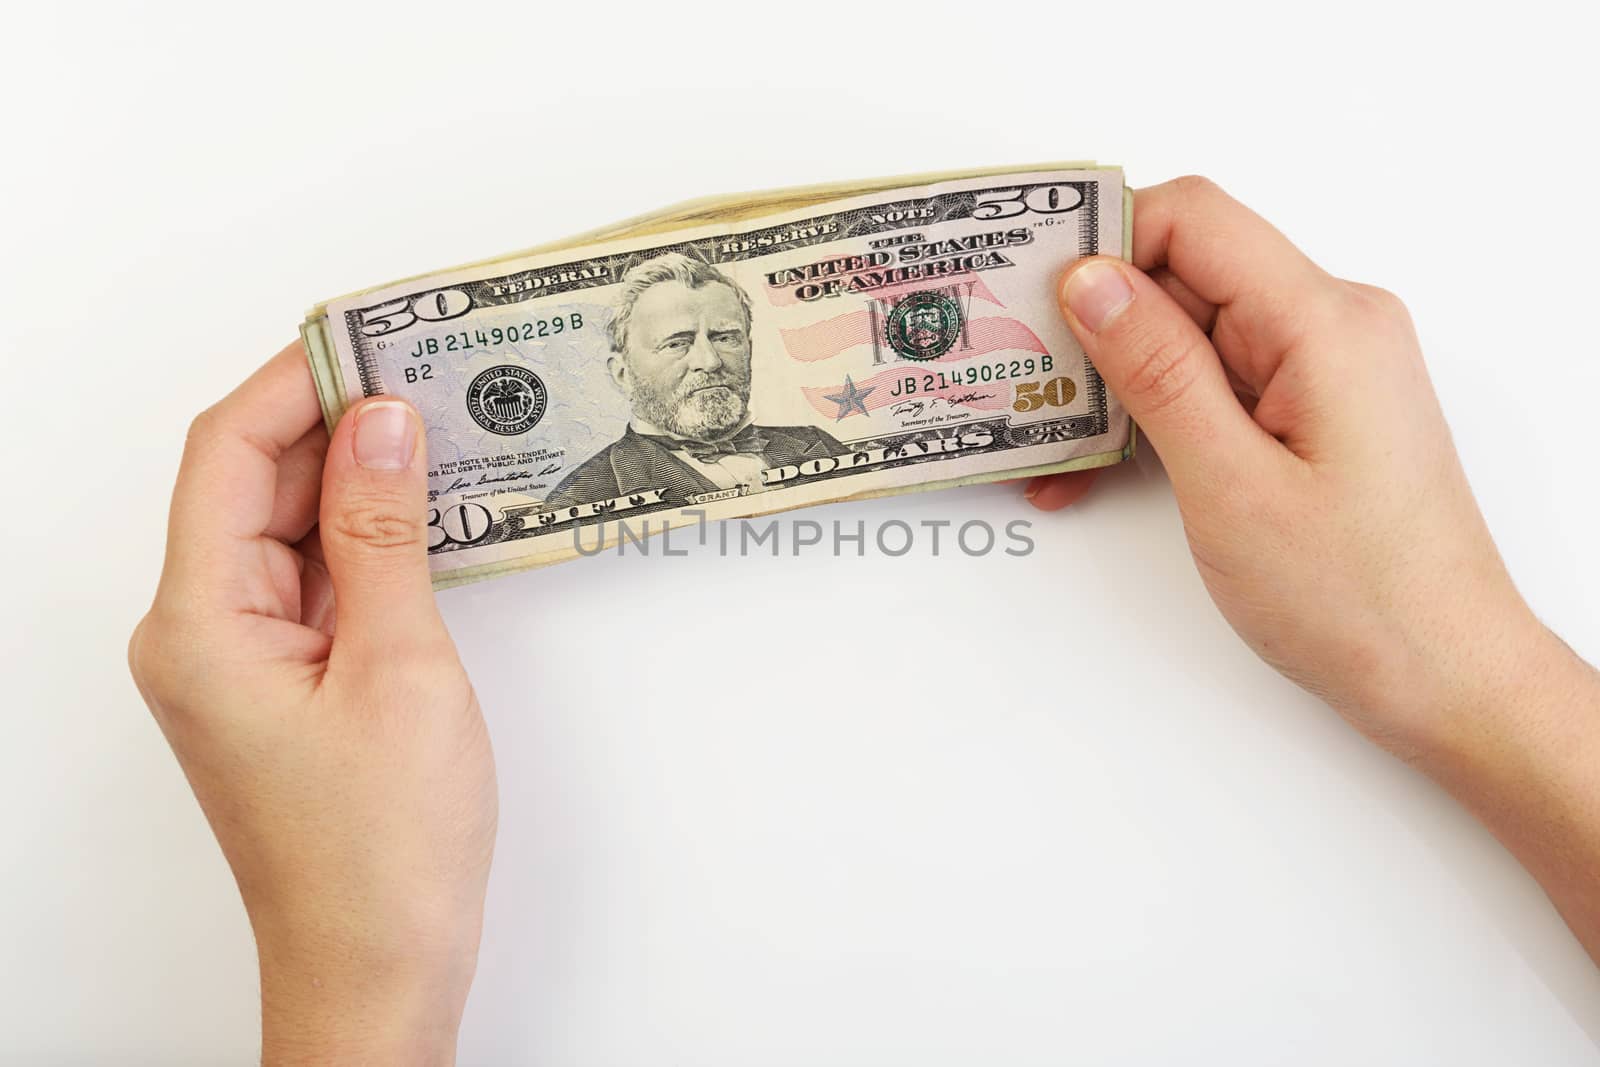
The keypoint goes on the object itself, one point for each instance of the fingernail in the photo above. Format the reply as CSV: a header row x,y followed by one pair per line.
x,y
385,437
1033,489
1096,292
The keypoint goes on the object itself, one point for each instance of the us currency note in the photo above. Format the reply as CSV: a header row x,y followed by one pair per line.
x,y
738,356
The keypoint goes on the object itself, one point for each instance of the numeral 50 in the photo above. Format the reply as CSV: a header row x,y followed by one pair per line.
x,y
429,307
1044,199
1057,392
458,524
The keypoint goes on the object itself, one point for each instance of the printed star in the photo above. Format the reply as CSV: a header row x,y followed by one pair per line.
x,y
850,398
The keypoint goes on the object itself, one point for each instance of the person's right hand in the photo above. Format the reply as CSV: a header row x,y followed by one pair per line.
x,y
1320,491
1329,516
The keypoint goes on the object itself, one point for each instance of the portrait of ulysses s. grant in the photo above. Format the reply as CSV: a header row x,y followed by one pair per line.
x,y
680,354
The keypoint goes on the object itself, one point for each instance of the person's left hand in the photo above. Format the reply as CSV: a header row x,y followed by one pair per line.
x,y
1052,492
296,661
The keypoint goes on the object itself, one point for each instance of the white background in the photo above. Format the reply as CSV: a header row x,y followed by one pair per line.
x,y
776,811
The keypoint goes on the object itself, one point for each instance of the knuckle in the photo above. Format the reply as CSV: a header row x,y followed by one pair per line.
x,y
138,657
1387,303
1197,187
1377,308
155,670
378,522
203,428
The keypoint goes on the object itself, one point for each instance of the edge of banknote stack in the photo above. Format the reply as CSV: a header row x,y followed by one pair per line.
x,y
734,207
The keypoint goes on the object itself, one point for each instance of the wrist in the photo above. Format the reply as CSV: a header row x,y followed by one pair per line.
x,y
1512,715
328,996
1441,679
1522,758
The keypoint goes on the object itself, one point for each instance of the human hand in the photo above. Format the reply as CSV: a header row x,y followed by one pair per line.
x,y
297,664
1321,494
1330,519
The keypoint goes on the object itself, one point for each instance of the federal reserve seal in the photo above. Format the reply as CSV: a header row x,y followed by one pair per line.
x,y
507,400
924,325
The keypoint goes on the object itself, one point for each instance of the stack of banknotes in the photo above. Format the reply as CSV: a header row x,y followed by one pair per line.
x,y
740,355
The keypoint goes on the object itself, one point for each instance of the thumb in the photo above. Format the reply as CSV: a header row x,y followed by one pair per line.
x,y
374,530
1161,366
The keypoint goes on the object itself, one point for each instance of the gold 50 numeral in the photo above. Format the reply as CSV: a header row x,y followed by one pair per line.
x,y
1057,392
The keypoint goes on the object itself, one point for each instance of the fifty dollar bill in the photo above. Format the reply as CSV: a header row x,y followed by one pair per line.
x,y
740,355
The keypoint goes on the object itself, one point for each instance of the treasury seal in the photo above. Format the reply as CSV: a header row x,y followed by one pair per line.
x,y
924,325
507,400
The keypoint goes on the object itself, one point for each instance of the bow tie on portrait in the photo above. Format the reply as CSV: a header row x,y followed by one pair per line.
x,y
748,439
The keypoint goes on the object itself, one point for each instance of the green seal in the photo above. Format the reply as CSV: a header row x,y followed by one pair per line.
x,y
924,325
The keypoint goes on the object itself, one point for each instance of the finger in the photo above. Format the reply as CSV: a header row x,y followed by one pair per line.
x,y
374,533
299,490
1267,290
1052,492
1157,362
1202,311
1247,396
227,484
316,587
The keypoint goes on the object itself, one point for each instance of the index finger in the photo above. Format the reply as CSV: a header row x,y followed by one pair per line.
x,y
1221,249
227,482
1263,287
